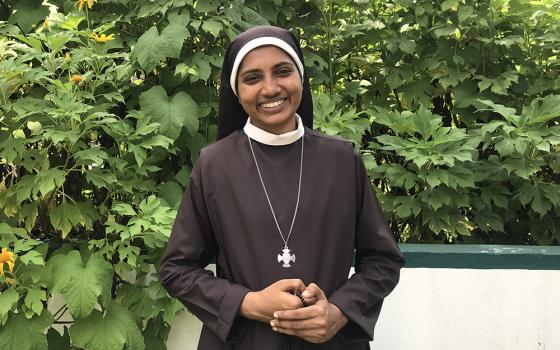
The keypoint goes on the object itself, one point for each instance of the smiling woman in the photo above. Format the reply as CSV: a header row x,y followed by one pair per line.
x,y
282,209
270,89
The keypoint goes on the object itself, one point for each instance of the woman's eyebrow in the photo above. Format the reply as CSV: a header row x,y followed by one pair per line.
x,y
258,70
285,63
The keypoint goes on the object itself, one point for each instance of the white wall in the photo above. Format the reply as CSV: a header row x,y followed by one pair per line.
x,y
458,309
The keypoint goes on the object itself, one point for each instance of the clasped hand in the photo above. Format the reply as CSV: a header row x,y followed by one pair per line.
x,y
276,305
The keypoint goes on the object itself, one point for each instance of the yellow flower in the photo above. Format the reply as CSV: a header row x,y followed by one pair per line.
x,y
76,78
68,57
46,23
6,258
102,38
82,3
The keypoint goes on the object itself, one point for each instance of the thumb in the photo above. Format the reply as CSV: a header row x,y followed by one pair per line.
x,y
288,285
314,290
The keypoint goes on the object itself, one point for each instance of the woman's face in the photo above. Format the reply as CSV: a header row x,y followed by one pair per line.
x,y
269,88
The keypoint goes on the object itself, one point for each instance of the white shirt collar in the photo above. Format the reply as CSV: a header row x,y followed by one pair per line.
x,y
268,138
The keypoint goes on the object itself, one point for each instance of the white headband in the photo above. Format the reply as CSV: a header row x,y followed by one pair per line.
x,y
262,41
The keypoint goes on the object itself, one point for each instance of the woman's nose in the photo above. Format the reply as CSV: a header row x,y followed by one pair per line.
x,y
270,87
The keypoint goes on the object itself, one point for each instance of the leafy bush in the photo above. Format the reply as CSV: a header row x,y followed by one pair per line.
x,y
104,106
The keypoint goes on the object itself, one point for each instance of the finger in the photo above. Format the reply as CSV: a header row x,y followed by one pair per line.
x,y
288,285
298,325
310,300
314,290
302,313
291,302
309,335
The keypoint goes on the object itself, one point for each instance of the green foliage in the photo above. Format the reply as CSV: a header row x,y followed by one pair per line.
x,y
80,284
454,106
153,47
20,332
172,113
116,325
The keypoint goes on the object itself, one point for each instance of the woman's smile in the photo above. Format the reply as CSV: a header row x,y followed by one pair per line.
x,y
272,106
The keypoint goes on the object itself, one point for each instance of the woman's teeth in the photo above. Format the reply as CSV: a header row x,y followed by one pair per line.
x,y
272,104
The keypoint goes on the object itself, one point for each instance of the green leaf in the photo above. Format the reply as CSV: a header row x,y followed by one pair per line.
x,y
487,220
399,176
16,231
203,64
34,300
140,154
484,82
506,112
27,13
464,12
459,176
155,334
434,177
7,300
171,112
80,284
100,178
34,127
449,4
497,194
171,192
183,175
64,217
445,30
522,167
19,333
542,110
406,206
157,141
138,301
90,156
114,329
207,5
506,146
212,27
71,22
49,180
32,257
533,194
253,18
436,198
407,46
501,84
123,209
152,47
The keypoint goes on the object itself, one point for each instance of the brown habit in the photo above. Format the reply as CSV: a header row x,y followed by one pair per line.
x,y
224,215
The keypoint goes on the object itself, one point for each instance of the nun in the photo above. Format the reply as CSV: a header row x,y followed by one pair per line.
x,y
284,212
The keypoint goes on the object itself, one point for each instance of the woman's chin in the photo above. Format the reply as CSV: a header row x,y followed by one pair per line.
x,y
275,123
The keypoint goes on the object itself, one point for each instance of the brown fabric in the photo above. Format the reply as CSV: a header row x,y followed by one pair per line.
x,y
224,214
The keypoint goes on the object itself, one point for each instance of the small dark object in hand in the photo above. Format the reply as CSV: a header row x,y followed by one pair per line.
x,y
297,293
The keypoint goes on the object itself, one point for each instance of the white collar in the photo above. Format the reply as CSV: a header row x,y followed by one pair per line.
x,y
271,139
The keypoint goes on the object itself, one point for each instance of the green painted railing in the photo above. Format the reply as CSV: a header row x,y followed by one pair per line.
x,y
467,256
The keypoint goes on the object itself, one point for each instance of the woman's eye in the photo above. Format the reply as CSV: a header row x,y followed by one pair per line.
x,y
252,78
285,72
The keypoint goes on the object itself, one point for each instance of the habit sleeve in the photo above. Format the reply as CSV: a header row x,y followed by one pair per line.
x,y
377,265
191,247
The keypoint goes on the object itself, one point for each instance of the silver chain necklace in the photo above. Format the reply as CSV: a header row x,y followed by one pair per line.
x,y
286,257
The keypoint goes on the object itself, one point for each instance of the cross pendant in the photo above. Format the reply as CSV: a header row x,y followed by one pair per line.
x,y
286,258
